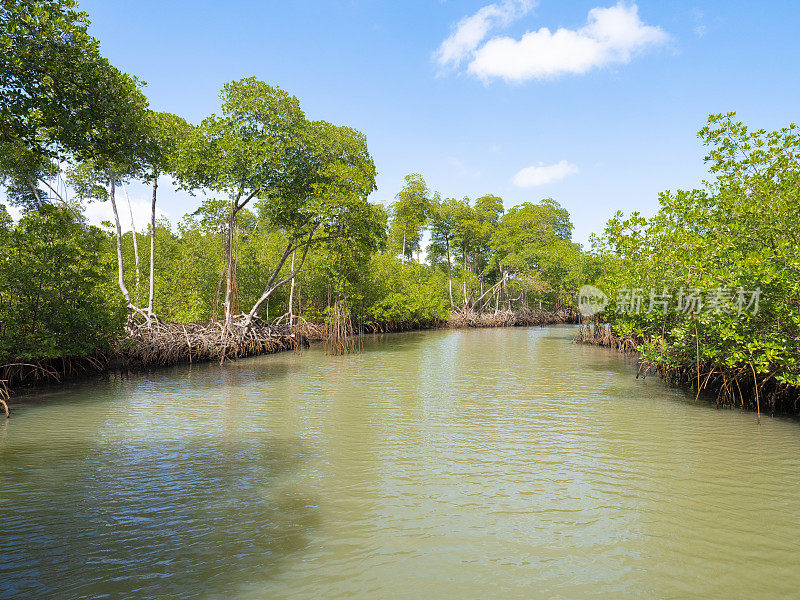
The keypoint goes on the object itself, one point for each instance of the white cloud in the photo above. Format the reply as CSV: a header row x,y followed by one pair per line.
x,y
96,212
471,31
539,175
611,35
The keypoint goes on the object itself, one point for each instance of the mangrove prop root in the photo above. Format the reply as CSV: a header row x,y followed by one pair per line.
x,y
164,344
738,385
25,373
508,318
4,396
341,336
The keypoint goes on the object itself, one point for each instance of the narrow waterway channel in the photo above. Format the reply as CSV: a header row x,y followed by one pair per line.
x,y
503,463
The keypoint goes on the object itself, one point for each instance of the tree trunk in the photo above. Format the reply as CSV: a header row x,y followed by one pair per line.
x,y
35,190
271,285
120,269
229,276
449,277
135,243
404,243
152,294
291,293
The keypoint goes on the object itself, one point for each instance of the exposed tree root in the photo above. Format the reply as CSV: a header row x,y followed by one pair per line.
x,y
602,335
4,395
341,336
400,326
26,373
733,386
517,318
161,344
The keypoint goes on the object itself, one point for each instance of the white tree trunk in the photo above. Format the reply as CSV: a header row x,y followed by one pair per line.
x,y
133,233
272,285
120,268
152,294
229,277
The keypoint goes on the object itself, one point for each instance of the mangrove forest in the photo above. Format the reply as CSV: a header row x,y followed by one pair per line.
x,y
469,392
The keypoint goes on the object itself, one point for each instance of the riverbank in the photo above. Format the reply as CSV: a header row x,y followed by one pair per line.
x,y
524,317
168,344
157,345
730,385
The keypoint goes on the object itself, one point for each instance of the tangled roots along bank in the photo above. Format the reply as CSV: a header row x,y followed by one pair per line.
x,y
173,343
517,318
732,386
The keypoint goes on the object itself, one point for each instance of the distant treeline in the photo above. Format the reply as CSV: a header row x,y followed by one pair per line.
x,y
286,231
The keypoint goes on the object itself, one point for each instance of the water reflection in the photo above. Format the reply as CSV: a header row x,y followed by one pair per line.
x,y
144,519
444,464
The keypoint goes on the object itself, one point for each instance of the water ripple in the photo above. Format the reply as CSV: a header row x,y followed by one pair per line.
x,y
452,464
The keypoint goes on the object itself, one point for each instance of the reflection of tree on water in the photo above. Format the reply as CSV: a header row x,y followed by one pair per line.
x,y
150,519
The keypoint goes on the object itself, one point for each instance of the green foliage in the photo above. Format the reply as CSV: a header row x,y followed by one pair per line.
x,y
442,221
26,176
738,232
252,146
55,298
467,232
59,96
167,137
403,294
535,240
410,214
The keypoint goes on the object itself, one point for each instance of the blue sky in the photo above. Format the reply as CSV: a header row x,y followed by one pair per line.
x,y
614,100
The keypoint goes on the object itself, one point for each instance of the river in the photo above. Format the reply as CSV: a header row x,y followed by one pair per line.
x,y
498,463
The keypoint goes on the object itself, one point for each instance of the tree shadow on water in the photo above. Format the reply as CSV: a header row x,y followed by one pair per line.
x,y
150,519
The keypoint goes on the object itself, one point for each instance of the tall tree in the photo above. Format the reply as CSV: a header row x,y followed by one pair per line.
x,y
60,99
313,178
443,216
325,202
466,234
534,239
488,210
248,152
410,211
167,136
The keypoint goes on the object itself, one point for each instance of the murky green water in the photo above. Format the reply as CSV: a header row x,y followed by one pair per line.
x,y
466,464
